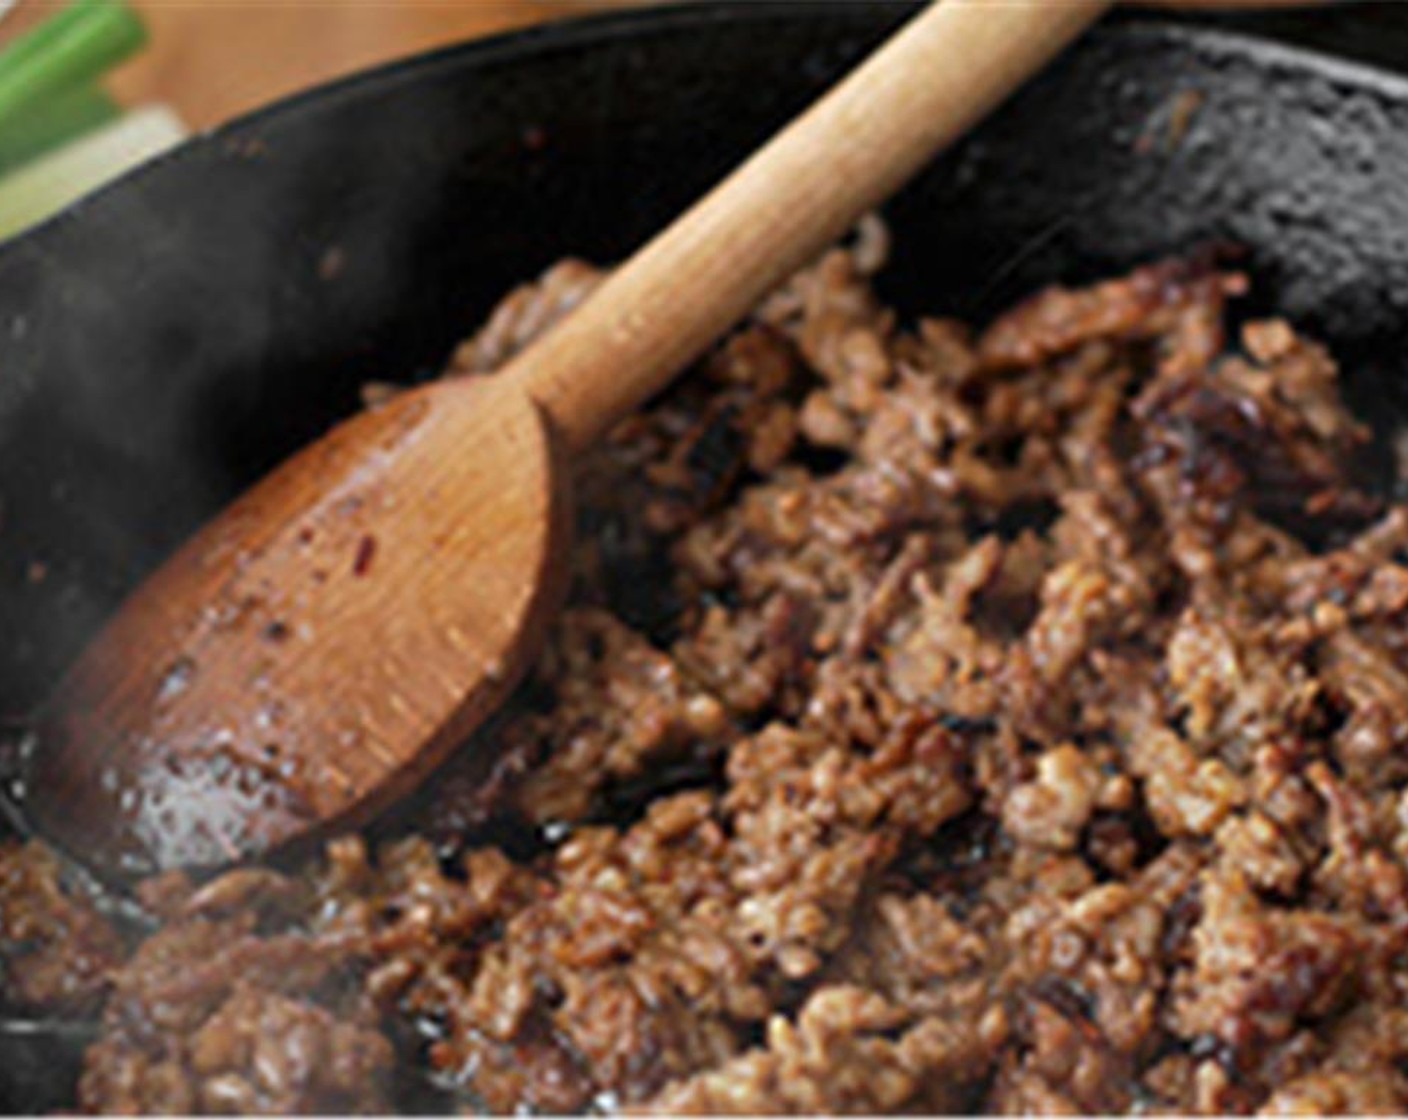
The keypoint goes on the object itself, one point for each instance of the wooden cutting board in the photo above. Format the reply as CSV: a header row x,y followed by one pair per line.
x,y
214,59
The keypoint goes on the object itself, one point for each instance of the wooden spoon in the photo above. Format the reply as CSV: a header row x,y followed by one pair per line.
x,y
315,651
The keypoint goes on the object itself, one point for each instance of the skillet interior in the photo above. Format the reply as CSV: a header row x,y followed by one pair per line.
x,y
167,341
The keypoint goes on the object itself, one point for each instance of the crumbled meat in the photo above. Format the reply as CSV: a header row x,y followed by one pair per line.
x,y
848,1052
210,1016
943,721
56,950
619,703
1052,810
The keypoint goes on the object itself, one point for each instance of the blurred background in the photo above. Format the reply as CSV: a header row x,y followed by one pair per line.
x,y
213,59
90,87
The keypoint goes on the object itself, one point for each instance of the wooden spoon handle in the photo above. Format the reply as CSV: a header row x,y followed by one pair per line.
x,y
921,90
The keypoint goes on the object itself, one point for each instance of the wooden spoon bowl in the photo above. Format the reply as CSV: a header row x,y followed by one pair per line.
x,y
387,585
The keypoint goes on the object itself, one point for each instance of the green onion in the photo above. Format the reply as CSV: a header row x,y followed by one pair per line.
x,y
54,123
67,52
48,184
60,134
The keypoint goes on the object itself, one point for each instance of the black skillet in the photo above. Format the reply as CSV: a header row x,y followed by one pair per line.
x,y
164,343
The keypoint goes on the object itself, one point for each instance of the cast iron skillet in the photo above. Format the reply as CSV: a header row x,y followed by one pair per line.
x,y
164,343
